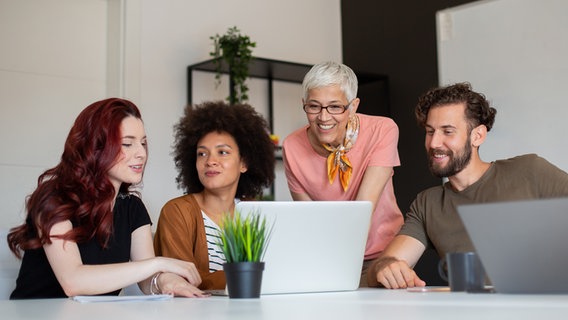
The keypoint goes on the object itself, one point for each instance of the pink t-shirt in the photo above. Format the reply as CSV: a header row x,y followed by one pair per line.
x,y
376,145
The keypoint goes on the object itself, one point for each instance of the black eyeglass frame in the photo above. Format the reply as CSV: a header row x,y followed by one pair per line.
x,y
345,107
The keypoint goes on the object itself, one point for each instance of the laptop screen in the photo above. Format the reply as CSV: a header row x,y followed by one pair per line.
x,y
522,244
315,246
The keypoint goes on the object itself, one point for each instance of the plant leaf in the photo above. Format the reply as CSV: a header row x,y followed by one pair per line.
x,y
244,238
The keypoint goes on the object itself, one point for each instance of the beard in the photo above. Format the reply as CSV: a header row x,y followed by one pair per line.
x,y
456,163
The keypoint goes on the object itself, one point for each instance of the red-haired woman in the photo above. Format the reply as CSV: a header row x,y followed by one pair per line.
x,y
86,232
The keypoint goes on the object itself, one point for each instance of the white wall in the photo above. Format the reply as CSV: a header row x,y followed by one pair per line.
x,y
515,52
49,71
60,55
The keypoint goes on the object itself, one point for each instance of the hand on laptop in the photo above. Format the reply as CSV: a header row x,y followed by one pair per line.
x,y
396,274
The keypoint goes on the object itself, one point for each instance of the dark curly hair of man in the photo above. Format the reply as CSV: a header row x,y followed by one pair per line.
x,y
477,109
250,131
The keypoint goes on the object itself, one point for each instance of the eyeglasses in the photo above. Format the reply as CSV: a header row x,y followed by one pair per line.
x,y
331,109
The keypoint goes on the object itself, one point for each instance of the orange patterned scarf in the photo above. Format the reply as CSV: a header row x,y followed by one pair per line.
x,y
337,159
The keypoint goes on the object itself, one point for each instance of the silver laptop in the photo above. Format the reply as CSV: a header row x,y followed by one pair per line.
x,y
523,245
315,246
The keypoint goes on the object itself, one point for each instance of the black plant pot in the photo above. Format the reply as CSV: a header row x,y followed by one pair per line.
x,y
244,279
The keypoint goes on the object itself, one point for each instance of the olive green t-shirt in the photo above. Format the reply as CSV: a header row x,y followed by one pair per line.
x,y
433,218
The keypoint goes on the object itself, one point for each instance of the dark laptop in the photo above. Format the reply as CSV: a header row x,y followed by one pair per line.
x,y
523,245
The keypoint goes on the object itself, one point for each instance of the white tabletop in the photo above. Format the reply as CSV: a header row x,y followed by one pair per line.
x,y
361,304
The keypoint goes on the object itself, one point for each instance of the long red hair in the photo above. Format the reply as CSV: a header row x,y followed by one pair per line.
x,y
78,188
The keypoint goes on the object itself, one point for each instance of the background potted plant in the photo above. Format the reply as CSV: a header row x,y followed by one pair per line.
x,y
234,49
244,241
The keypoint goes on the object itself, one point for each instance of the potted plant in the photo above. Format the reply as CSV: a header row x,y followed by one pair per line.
x,y
235,50
243,241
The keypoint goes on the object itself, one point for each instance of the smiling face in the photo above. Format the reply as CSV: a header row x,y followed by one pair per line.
x,y
129,166
219,164
326,128
448,140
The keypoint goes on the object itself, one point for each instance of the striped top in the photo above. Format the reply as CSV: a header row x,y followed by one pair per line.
x,y
216,256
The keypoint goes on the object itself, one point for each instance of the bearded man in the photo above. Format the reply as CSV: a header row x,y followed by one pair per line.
x,y
456,120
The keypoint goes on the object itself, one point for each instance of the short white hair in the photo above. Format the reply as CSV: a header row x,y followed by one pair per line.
x,y
331,73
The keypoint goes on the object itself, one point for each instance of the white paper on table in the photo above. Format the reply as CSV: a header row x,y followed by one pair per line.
x,y
155,297
428,289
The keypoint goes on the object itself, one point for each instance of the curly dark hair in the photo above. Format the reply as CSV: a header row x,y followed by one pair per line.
x,y
477,109
245,125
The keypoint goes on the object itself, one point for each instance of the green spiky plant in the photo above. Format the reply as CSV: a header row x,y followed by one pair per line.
x,y
236,50
244,239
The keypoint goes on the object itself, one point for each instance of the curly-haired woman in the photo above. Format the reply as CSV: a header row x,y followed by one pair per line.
x,y
223,154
